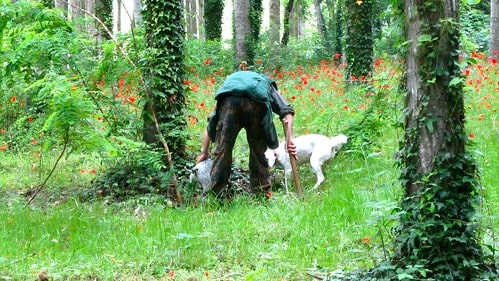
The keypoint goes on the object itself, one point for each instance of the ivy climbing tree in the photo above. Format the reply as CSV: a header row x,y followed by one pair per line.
x,y
213,10
437,236
359,39
163,114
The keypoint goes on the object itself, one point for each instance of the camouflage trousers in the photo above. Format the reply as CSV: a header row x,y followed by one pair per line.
x,y
235,113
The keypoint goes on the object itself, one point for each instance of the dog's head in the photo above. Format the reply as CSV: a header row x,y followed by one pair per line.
x,y
338,141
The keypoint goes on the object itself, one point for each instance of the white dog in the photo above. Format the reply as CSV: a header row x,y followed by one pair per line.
x,y
312,148
201,173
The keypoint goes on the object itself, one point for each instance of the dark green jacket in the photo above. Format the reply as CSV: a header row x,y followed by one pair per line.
x,y
260,88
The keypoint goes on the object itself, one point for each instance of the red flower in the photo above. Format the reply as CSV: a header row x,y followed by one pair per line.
x,y
207,62
337,56
471,135
13,99
366,240
131,99
493,61
30,119
268,194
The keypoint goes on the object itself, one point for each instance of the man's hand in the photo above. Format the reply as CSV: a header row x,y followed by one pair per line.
x,y
203,156
291,148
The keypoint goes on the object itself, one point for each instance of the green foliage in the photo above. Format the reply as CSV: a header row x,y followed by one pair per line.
x,y
213,10
165,73
359,46
68,112
255,19
365,130
133,169
474,28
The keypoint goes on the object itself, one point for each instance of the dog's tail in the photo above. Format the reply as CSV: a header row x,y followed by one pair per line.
x,y
338,141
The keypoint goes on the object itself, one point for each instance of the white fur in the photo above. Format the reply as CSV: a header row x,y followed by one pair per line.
x,y
201,173
312,148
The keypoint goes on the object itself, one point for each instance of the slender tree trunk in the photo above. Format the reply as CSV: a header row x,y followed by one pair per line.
x,y
287,17
321,26
494,28
242,29
274,32
275,21
104,12
137,13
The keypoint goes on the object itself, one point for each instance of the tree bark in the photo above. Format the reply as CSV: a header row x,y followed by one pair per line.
x,y
321,26
287,17
437,229
494,28
241,31
359,38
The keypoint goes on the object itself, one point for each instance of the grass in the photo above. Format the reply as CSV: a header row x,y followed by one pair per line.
x,y
343,226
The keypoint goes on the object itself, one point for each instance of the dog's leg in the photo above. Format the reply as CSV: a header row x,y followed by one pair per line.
x,y
316,164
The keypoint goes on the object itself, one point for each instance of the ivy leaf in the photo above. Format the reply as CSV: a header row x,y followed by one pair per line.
x,y
471,2
455,81
425,38
429,125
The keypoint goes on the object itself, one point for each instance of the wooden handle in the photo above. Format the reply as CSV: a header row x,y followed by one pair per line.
x,y
292,160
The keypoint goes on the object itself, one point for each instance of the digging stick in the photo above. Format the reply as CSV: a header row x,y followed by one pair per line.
x,y
292,159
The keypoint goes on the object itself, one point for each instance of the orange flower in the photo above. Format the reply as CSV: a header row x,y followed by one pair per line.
x,y
4,147
366,240
30,119
471,135
207,62
13,99
131,99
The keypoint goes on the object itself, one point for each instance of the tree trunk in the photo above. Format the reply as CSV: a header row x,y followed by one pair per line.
x,y
242,29
287,17
437,230
104,12
494,28
274,32
321,26
137,13
275,22
213,12
163,112
359,38
63,6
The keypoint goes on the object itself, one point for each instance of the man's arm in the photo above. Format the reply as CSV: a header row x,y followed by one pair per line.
x,y
287,124
205,148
